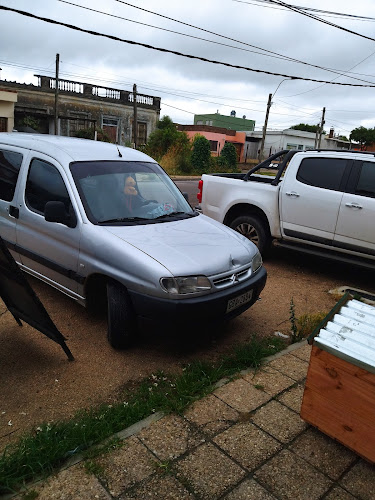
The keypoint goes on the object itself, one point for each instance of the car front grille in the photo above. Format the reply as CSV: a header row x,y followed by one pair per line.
x,y
230,279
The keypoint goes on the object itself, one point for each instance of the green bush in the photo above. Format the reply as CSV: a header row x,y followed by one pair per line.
x,y
228,157
201,154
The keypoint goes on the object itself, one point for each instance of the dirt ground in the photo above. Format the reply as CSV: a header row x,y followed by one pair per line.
x,y
38,384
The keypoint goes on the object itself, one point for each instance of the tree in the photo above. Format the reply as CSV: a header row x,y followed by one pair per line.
x,y
365,136
201,154
229,156
161,139
306,128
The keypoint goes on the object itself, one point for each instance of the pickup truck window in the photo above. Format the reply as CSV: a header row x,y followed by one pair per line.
x,y
324,173
44,183
366,181
10,163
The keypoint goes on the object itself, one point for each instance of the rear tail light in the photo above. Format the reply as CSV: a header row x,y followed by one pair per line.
x,y
200,192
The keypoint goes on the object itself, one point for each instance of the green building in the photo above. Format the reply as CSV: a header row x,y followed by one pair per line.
x,y
230,122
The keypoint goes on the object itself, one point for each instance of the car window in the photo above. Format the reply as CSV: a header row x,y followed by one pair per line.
x,y
44,183
366,181
324,173
10,163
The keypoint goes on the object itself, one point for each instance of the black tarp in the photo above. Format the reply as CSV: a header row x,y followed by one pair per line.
x,y
22,302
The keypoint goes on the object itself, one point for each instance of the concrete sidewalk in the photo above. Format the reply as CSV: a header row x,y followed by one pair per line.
x,y
245,441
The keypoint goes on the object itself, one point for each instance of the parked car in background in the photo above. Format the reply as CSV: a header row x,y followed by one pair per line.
x,y
105,224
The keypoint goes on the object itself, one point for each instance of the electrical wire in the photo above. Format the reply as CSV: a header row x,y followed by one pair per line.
x,y
169,51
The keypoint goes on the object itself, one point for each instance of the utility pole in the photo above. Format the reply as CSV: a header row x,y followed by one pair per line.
x,y
321,127
135,120
57,93
265,127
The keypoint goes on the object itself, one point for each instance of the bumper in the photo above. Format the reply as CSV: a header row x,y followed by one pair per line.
x,y
189,311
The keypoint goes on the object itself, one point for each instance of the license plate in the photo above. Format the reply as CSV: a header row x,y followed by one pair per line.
x,y
239,301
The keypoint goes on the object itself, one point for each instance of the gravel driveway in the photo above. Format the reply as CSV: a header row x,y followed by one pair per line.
x,y
38,384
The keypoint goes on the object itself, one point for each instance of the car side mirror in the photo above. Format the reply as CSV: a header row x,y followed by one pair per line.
x,y
54,211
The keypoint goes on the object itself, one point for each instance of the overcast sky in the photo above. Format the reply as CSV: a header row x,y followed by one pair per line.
x,y
189,86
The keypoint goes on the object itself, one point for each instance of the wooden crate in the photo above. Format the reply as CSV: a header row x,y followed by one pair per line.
x,y
339,399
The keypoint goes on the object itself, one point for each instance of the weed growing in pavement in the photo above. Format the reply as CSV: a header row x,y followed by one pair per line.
x,y
94,469
303,326
293,322
38,453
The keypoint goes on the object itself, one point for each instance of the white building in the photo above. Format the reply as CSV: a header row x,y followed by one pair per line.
x,y
289,139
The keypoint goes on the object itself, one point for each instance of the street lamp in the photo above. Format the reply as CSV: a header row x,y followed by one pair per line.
x,y
269,103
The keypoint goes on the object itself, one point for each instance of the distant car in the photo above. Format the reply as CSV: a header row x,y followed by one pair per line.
x,y
101,222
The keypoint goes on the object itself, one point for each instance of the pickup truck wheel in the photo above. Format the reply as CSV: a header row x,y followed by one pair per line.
x,y
254,230
122,325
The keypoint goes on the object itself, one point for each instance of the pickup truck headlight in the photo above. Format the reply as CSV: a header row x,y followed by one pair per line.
x,y
184,285
256,263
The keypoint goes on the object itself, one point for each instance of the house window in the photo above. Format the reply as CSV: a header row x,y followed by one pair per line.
x,y
3,124
142,133
200,122
110,126
79,122
213,146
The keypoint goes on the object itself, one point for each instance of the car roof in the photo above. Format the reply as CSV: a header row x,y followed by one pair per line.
x,y
72,148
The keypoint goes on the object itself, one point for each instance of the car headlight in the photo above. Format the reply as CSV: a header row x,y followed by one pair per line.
x,y
256,263
184,285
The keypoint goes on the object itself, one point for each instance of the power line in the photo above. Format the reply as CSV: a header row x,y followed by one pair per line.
x,y
169,51
267,52
316,18
328,12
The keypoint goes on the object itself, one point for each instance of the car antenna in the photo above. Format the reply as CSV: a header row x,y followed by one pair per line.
x,y
120,155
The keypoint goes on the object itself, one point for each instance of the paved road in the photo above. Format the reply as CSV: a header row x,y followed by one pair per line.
x,y
191,188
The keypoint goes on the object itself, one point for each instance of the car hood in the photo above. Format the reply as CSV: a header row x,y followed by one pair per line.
x,y
194,246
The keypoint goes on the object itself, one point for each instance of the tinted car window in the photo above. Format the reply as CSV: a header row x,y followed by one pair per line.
x,y
325,173
10,163
44,183
366,181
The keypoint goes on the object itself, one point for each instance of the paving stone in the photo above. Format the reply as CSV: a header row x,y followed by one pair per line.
x,y
247,444
339,494
127,465
327,455
249,490
269,380
208,472
279,421
360,481
293,397
211,414
303,353
241,395
291,366
71,484
170,437
290,478
159,488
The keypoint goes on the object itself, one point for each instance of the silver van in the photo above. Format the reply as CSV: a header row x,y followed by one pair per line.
x,y
105,224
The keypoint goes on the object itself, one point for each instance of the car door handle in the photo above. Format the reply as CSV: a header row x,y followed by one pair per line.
x,y
353,205
292,193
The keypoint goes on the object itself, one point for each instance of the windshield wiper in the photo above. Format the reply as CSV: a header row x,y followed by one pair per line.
x,y
172,214
123,219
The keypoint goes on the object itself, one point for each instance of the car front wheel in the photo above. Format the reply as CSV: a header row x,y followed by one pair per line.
x,y
122,325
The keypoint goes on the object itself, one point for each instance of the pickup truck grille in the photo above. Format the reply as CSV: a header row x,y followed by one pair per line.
x,y
231,279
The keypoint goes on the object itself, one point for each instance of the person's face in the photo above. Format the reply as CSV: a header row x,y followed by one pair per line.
x,y
129,187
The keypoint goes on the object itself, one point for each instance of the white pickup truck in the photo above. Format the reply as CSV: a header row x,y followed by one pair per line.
x,y
320,202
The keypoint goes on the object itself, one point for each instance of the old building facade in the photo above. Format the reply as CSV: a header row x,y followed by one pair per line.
x,y
82,106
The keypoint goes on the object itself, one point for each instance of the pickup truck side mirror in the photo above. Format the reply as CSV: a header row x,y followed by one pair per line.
x,y
186,196
54,211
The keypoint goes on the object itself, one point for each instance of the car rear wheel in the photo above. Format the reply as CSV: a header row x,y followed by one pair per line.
x,y
253,229
122,325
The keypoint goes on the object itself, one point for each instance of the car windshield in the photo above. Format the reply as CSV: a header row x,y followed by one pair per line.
x,y
123,192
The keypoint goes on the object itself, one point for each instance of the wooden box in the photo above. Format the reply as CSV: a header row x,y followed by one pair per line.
x,y
339,400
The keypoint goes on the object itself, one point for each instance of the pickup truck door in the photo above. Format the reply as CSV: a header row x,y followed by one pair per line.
x,y
356,222
48,250
310,198
11,159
